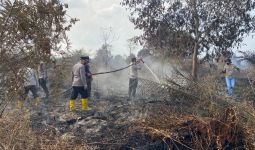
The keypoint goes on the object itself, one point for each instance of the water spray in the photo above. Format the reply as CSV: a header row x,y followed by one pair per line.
x,y
154,75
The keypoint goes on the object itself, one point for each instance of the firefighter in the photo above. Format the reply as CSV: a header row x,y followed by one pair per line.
x,y
79,85
88,75
133,77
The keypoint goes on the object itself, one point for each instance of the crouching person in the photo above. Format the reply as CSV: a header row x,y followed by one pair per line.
x,y
79,85
30,84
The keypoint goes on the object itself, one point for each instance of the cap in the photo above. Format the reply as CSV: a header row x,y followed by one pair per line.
x,y
228,60
84,57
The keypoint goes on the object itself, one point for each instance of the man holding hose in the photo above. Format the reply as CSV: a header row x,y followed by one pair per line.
x,y
133,77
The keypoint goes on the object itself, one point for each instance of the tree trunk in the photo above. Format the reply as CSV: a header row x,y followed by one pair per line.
x,y
195,62
195,50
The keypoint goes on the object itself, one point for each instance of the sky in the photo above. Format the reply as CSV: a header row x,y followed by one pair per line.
x,y
96,15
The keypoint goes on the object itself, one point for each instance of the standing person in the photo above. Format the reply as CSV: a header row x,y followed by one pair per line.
x,y
229,69
133,79
30,84
42,75
79,85
88,75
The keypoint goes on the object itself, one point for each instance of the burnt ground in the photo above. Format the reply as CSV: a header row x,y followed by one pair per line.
x,y
111,123
116,123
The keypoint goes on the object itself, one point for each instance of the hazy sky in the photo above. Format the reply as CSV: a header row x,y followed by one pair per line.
x,y
97,14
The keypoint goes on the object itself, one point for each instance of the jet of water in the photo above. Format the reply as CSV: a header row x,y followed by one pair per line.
x,y
155,76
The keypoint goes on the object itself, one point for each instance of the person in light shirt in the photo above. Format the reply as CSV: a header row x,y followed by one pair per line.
x,y
79,85
30,84
133,77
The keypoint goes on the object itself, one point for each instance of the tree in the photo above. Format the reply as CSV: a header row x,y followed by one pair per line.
x,y
144,53
103,56
247,56
131,45
29,32
209,25
104,53
118,62
108,36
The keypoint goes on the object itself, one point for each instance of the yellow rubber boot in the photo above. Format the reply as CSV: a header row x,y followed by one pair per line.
x,y
72,105
84,104
20,104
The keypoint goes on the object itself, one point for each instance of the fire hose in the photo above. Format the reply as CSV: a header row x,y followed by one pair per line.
x,y
117,69
99,73
113,70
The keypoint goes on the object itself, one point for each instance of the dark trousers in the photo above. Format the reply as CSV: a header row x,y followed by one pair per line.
x,y
42,83
89,87
133,82
79,90
31,88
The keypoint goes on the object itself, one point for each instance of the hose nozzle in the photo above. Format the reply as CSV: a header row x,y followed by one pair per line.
x,y
141,59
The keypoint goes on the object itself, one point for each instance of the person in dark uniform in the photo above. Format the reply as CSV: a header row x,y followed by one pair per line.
x,y
42,75
88,75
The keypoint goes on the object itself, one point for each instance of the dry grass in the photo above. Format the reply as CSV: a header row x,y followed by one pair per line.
x,y
16,134
214,122
198,132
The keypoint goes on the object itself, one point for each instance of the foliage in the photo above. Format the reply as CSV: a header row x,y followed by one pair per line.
x,y
144,53
249,56
30,31
192,26
103,56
